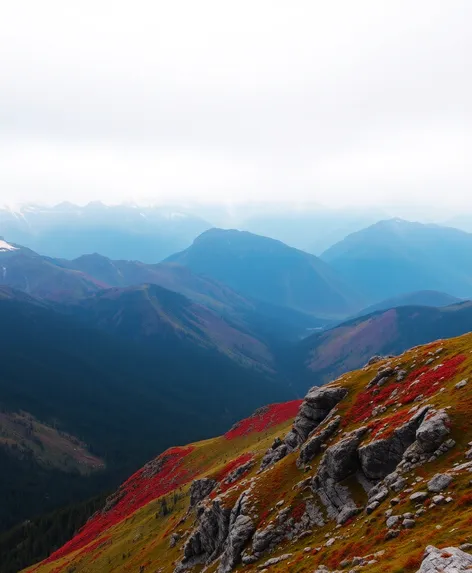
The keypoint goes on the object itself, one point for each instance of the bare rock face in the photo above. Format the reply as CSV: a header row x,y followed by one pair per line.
x,y
430,438
207,539
380,457
200,489
218,531
448,560
338,463
316,406
312,447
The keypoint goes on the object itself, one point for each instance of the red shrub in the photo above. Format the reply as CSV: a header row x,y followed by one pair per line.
x,y
422,381
159,477
264,418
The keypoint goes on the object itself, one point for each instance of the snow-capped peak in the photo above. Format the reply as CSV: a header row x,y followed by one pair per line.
x,y
4,246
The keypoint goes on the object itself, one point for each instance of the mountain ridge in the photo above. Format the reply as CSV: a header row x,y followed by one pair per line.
x,y
361,472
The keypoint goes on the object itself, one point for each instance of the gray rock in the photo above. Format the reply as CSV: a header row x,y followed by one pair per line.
x,y
391,534
316,406
432,431
372,507
313,446
401,375
461,384
438,499
380,457
382,374
275,560
392,521
439,482
200,489
448,560
218,531
408,523
236,474
240,532
338,462
418,496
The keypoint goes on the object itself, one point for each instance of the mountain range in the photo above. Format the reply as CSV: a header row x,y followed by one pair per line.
x,y
99,354
396,257
98,380
117,231
269,270
370,472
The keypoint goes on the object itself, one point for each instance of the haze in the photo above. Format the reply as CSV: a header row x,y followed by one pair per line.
x,y
345,103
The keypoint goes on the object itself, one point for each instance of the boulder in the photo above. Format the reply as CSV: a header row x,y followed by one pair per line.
x,y
439,482
448,560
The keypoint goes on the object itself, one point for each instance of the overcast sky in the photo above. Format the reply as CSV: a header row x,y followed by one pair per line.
x,y
362,102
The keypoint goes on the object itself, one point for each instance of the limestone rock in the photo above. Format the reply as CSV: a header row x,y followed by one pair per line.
x,y
316,406
439,482
448,560
338,462
380,457
200,489
313,446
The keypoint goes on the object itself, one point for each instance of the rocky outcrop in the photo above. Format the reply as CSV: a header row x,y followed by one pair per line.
x,y
200,489
313,446
284,527
448,560
380,457
339,462
236,474
430,440
241,528
219,531
316,406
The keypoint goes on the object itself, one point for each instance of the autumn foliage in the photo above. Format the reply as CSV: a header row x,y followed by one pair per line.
x,y
149,483
264,418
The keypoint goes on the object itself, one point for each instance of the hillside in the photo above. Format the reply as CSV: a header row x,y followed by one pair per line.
x,y
25,270
367,472
419,298
396,257
71,391
349,345
153,316
269,271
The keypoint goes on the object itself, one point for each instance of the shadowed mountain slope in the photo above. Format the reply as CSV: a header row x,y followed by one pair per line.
x,y
327,354
270,271
371,469
121,400
395,257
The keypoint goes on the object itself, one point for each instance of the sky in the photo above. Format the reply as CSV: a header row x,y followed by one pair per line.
x,y
345,103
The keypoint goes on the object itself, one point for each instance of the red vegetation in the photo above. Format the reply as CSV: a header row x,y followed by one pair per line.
x,y
154,480
384,427
298,511
232,465
465,500
227,469
422,381
264,418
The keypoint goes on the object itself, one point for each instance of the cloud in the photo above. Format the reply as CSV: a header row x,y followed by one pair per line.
x,y
338,102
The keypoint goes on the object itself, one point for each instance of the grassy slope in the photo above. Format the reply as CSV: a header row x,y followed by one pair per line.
x,y
140,541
